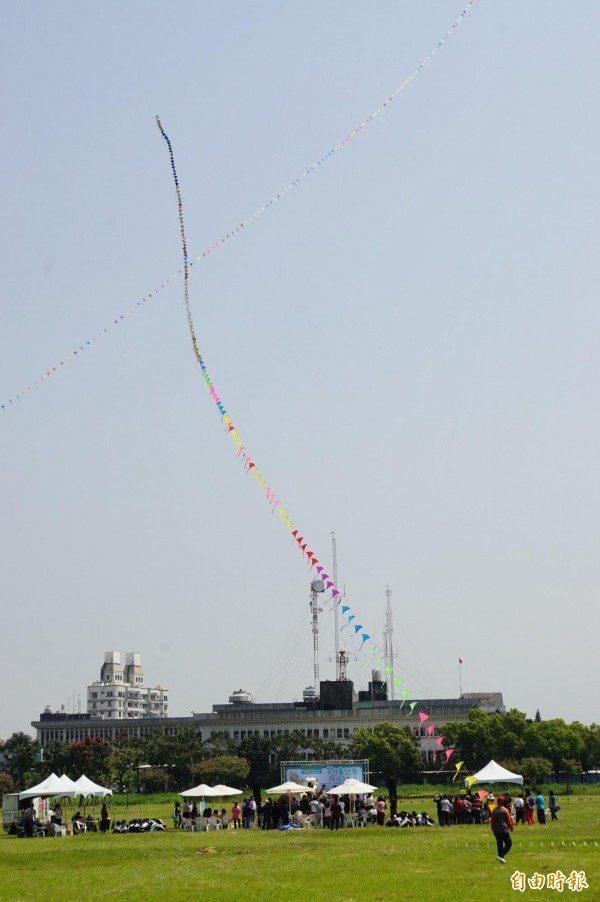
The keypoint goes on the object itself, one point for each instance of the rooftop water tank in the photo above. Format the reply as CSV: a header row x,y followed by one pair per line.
x,y
241,697
310,694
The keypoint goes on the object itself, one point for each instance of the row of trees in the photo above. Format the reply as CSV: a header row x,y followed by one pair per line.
x,y
533,748
173,761
176,760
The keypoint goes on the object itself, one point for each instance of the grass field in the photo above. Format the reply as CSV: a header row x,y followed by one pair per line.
x,y
363,864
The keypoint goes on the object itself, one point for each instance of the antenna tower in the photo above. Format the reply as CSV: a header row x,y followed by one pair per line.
x,y
388,648
316,588
336,625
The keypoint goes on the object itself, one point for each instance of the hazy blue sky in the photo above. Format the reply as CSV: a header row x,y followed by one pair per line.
x,y
407,342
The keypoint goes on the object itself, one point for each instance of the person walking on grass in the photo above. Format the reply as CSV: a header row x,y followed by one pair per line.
x,y
502,825
554,806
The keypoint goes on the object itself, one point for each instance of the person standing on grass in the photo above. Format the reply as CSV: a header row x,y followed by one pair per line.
x,y
502,825
520,809
236,813
553,803
540,807
529,806
380,806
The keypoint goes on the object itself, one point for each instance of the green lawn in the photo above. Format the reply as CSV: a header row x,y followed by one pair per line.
x,y
363,864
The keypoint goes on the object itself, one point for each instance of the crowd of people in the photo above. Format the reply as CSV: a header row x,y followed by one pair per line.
x,y
320,809
316,808
478,807
139,825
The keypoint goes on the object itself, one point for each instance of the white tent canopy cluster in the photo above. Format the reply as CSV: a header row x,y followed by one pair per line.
x,y
65,788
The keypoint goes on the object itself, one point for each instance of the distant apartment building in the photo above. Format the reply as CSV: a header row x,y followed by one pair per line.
x,y
120,693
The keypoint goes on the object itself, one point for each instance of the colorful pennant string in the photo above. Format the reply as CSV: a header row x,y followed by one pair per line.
x,y
88,344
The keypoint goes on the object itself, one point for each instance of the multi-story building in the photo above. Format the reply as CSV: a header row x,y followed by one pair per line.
x,y
337,714
120,693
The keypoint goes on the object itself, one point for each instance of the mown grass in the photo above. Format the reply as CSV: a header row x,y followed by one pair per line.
x,y
372,864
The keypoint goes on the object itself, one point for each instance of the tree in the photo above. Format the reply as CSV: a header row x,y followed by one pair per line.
x,y
328,750
92,757
475,740
220,744
21,754
184,750
390,750
55,758
226,769
592,748
257,752
533,770
559,742
7,784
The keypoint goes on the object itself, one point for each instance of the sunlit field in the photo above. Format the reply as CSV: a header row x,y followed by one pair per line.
x,y
352,864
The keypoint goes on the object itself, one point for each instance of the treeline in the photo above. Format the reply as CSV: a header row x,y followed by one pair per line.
x,y
160,761
174,761
534,748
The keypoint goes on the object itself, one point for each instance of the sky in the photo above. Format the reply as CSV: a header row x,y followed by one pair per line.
x,y
406,342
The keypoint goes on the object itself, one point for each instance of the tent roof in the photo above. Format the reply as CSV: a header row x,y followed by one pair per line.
x,y
289,786
51,786
88,788
494,773
351,786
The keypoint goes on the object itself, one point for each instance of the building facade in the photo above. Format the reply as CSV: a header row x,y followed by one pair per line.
x,y
120,693
243,717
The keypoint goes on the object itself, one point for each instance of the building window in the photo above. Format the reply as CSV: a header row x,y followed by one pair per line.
x,y
236,734
346,733
316,734
325,734
309,734
339,732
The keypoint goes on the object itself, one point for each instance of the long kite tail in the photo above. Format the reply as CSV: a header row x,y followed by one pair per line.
x,y
186,266
250,466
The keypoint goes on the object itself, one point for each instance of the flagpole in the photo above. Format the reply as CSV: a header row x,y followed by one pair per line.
x,y
460,677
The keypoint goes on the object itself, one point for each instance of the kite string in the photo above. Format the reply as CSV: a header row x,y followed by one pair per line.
x,y
88,344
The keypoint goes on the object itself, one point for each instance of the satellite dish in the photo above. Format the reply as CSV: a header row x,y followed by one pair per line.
x,y
317,585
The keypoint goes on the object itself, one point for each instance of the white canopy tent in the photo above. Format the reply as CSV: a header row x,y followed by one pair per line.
x,y
222,790
288,787
52,786
198,792
351,787
87,788
494,773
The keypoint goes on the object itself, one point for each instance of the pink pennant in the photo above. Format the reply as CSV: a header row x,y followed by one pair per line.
x,y
328,584
423,717
430,729
334,592
439,740
319,569
449,753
